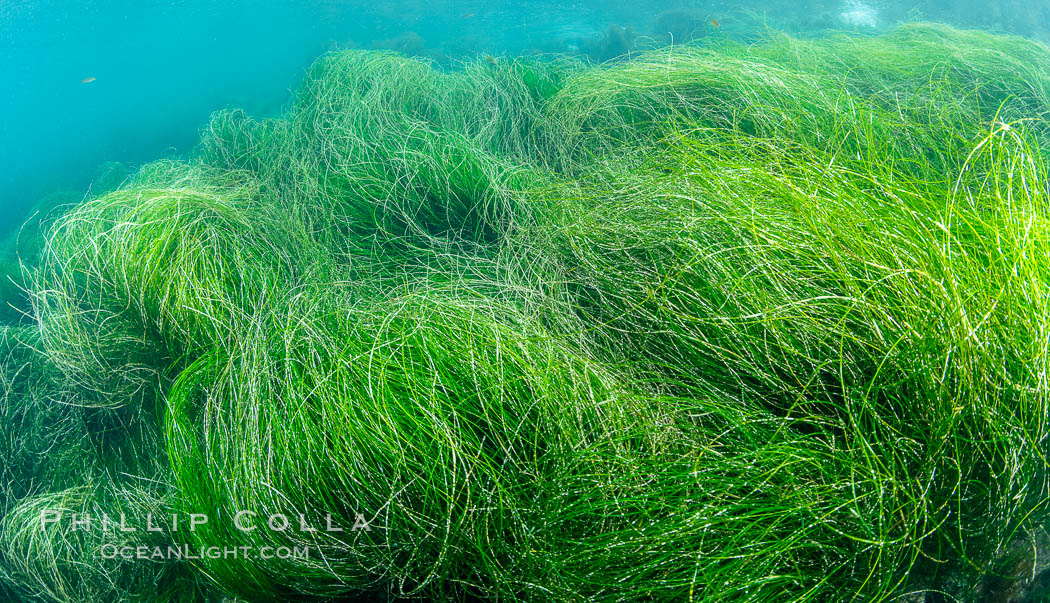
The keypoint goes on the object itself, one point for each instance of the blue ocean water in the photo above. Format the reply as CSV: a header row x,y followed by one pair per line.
x,y
129,81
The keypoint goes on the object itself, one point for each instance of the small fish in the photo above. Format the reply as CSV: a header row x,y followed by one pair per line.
x,y
491,60
87,80
715,23
468,15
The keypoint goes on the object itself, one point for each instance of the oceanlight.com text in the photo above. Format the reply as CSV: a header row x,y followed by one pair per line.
x,y
186,552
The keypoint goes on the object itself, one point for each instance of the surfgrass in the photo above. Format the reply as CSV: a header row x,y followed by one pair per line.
x,y
831,299
141,279
716,323
49,564
365,151
435,419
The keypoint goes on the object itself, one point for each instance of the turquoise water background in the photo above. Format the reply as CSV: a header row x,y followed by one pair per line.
x,y
160,68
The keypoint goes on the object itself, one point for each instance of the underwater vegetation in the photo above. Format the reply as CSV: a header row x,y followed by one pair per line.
x,y
712,323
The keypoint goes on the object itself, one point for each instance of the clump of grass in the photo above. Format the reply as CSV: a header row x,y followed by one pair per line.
x,y
501,104
366,150
63,562
138,280
929,64
910,103
831,298
434,418
56,452
749,506
636,104
42,439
